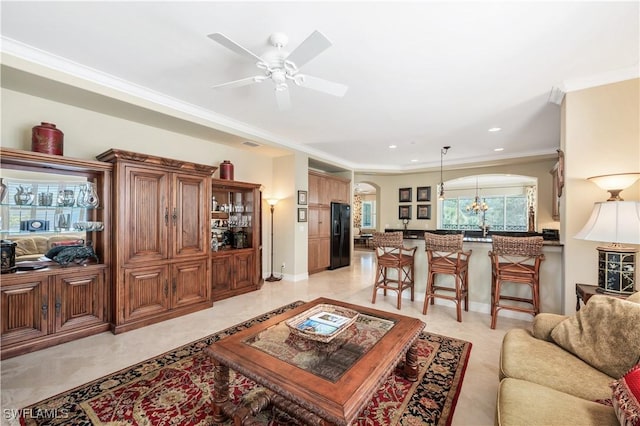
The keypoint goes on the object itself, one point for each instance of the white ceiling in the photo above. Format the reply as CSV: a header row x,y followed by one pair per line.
x,y
421,75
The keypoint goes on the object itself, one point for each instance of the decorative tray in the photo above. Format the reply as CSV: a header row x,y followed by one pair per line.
x,y
322,322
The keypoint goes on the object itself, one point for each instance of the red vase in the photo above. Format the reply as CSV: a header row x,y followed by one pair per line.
x,y
226,170
47,139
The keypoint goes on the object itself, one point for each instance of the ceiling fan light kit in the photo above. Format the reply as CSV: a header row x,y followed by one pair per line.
x,y
280,66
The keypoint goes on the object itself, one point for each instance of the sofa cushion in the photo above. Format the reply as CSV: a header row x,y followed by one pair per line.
x,y
79,242
25,246
626,397
604,334
525,403
65,239
544,323
524,357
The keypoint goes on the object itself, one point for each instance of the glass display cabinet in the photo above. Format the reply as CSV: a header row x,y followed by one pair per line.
x,y
49,201
236,251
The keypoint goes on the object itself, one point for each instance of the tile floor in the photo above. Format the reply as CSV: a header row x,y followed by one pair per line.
x,y
32,377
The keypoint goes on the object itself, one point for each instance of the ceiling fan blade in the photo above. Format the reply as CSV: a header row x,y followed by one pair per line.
x,y
311,47
283,99
242,82
232,45
315,83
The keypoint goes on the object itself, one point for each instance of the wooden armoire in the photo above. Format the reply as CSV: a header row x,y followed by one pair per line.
x,y
161,238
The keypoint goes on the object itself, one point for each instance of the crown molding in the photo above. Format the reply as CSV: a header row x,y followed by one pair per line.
x,y
28,59
601,79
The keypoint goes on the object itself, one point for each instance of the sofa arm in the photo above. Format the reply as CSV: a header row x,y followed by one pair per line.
x,y
544,323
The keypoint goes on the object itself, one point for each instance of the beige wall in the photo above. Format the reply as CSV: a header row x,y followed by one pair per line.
x,y
88,133
389,185
290,236
600,135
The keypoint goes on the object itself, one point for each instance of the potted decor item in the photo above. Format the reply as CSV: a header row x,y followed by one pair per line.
x,y
47,139
226,170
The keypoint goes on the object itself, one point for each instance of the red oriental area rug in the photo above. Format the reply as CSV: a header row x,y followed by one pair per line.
x,y
176,389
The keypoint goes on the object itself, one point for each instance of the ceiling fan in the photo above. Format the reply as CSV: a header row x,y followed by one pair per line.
x,y
282,67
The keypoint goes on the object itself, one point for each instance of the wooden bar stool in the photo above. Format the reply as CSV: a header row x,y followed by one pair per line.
x,y
515,260
391,254
446,256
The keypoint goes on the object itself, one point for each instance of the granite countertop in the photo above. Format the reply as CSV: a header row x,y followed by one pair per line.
x,y
413,234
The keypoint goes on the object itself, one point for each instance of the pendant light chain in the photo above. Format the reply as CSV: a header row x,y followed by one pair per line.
x,y
443,152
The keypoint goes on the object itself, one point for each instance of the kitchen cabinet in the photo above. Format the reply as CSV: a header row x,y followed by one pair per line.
x,y
323,190
236,238
45,304
161,239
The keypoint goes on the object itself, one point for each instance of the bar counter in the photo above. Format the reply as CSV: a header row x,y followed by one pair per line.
x,y
551,273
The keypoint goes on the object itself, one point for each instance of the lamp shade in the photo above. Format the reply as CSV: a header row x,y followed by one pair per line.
x,y
618,181
613,222
272,201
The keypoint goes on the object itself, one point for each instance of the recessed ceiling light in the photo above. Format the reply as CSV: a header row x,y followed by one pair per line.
x,y
393,146
498,149
495,129
414,161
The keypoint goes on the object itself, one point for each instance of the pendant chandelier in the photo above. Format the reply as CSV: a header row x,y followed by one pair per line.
x,y
443,151
477,206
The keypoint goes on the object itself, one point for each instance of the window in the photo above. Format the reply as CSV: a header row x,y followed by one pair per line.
x,y
506,213
368,214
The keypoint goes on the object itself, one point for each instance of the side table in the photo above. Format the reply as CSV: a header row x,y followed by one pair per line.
x,y
585,291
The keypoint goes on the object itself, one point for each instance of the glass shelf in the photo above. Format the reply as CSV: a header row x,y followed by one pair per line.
x,y
36,206
51,232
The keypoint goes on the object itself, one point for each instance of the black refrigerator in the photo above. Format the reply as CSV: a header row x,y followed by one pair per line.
x,y
340,235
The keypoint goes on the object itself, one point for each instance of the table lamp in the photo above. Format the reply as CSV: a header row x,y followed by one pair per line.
x,y
616,222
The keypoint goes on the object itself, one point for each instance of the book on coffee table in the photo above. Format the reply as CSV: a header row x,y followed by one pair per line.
x,y
330,318
317,327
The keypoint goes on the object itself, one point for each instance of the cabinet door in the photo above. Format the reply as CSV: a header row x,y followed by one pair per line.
x,y
324,252
190,215
220,274
313,194
146,292
79,300
25,311
146,215
319,221
243,270
319,254
189,283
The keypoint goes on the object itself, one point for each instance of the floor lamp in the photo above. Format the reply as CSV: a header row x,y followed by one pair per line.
x,y
272,204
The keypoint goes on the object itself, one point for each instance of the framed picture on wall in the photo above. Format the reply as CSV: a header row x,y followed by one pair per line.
x,y
404,195
302,214
302,198
424,211
424,194
404,212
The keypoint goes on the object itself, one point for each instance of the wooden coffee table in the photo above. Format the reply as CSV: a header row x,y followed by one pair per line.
x,y
317,383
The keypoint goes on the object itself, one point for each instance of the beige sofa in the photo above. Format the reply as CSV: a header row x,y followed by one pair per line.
x,y
34,246
561,371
